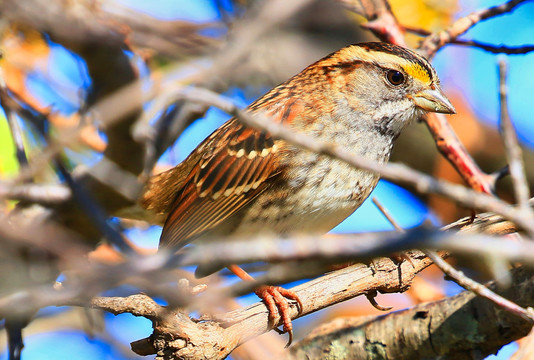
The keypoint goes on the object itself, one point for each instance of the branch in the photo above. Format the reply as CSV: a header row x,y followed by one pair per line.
x,y
511,145
436,41
179,333
480,328
450,146
244,324
35,193
110,24
381,20
464,281
495,49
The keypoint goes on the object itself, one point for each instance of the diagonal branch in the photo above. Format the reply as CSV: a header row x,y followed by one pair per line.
x,y
395,172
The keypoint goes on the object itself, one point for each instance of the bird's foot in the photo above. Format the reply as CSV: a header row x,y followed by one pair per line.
x,y
276,299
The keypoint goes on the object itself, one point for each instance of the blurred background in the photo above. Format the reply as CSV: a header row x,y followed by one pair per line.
x,y
54,79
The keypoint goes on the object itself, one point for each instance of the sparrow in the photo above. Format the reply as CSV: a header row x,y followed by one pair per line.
x,y
240,181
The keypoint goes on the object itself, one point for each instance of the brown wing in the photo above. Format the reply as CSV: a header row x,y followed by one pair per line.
x,y
228,170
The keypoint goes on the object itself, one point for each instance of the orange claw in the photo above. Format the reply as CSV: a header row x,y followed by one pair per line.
x,y
276,300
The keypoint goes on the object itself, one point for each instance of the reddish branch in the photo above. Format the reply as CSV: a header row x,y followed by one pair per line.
x,y
381,20
454,151
446,140
384,25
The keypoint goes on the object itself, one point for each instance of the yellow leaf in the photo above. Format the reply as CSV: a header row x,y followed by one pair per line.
x,y
8,161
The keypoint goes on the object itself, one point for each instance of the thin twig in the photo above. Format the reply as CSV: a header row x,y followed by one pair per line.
x,y
495,49
381,20
434,42
511,145
35,193
388,216
94,211
464,281
480,289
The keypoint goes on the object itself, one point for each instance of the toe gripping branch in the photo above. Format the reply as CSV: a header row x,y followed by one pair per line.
x,y
276,299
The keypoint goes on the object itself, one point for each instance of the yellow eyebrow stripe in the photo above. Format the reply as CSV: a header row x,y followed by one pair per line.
x,y
417,72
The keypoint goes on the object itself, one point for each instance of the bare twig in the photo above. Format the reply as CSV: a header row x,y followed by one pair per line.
x,y
464,281
387,215
111,24
35,193
93,211
303,256
495,49
479,289
308,256
513,151
434,42
450,146
381,20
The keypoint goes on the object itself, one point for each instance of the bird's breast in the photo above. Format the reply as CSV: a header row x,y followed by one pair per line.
x,y
312,197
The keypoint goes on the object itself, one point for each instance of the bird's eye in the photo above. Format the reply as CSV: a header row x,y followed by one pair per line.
x,y
395,77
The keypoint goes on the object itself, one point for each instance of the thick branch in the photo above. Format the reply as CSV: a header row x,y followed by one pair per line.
x,y
480,328
244,324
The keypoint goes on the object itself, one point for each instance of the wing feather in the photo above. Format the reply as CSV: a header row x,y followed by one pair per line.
x,y
231,168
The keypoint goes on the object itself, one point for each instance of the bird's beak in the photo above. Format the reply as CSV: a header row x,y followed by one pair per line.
x,y
433,100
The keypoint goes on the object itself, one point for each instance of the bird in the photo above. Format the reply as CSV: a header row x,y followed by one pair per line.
x,y
241,181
